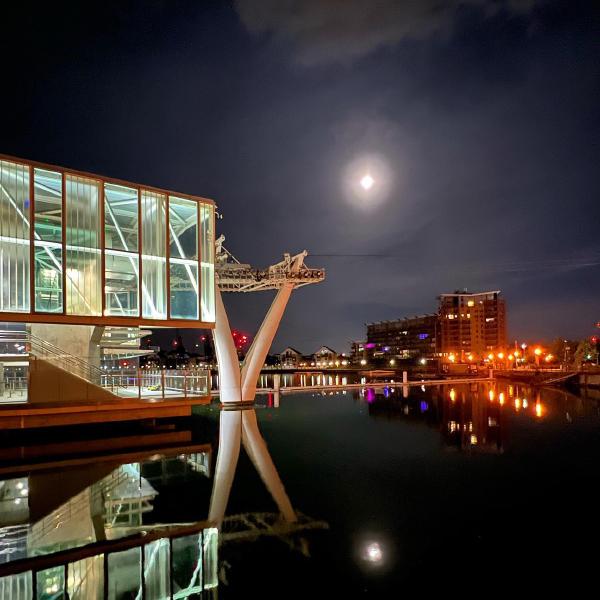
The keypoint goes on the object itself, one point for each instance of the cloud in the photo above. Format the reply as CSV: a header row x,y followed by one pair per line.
x,y
340,31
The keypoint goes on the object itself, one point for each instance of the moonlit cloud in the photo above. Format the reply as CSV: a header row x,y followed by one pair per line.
x,y
339,31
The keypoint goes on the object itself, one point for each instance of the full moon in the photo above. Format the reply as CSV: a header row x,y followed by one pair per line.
x,y
367,182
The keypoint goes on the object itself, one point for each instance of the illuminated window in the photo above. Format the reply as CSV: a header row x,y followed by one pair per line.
x,y
83,258
121,263
48,228
207,258
154,250
183,261
14,237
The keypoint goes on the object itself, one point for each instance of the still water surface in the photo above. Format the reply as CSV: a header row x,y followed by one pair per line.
x,y
463,489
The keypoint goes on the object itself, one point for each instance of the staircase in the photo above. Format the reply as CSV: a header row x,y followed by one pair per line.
x,y
56,375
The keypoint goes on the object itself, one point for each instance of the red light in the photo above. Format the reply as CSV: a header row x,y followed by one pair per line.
x,y
594,339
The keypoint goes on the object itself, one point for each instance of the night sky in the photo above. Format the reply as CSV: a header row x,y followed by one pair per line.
x,y
479,119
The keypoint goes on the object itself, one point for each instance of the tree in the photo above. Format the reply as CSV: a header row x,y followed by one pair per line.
x,y
586,351
564,350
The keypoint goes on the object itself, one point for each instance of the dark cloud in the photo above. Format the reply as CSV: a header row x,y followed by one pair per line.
x,y
331,31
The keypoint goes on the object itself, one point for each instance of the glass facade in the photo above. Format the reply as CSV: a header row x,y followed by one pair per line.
x,y
121,263
48,231
207,235
76,245
183,258
14,237
154,253
83,258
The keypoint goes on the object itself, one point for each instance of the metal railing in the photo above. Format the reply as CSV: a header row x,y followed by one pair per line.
x,y
133,383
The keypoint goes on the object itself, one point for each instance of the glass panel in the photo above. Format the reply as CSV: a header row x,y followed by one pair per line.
x,y
48,241
83,260
120,217
16,586
86,578
125,574
183,240
154,251
51,584
48,205
121,283
207,215
48,277
210,557
187,566
14,237
184,289
157,570
183,227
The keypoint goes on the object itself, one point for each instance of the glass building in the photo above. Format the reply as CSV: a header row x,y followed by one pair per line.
x,y
84,249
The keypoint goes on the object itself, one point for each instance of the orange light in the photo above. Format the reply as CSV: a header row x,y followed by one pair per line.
x,y
517,353
517,403
452,395
549,357
491,356
491,395
501,398
538,409
500,355
537,351
510,357
470,357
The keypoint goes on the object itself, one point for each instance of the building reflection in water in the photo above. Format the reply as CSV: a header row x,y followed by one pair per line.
x,y
81,534
474,417
89,532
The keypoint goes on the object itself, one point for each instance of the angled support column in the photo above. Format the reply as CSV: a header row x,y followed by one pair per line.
x,y
230,381
255,359
236,386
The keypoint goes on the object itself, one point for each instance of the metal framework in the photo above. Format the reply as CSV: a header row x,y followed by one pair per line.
x,y
237,383
235,276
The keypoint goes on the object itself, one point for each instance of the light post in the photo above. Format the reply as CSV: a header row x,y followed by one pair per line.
x,y
538,353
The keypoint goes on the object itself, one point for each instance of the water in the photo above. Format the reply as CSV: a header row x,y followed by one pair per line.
x,y
461,489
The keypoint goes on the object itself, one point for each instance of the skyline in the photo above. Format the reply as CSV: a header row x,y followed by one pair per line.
x,y
485,124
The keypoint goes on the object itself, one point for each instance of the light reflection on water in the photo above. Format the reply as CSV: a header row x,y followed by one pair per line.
x,y
382,480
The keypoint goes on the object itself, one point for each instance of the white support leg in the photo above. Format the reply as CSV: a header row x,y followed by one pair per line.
x,y
255,359
230,382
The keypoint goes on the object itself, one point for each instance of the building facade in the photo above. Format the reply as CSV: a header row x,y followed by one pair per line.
x,y
82,249
401,339
472,323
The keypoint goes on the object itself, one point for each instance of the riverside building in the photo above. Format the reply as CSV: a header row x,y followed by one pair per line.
x,y
472,324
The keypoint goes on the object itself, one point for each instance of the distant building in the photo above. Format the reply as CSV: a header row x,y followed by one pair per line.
x,y
290,357
325,354
400,339
472,323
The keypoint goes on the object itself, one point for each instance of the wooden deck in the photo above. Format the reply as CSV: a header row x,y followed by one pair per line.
x,y
52,414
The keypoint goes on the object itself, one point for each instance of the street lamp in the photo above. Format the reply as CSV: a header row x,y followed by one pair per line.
x,y
538,353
